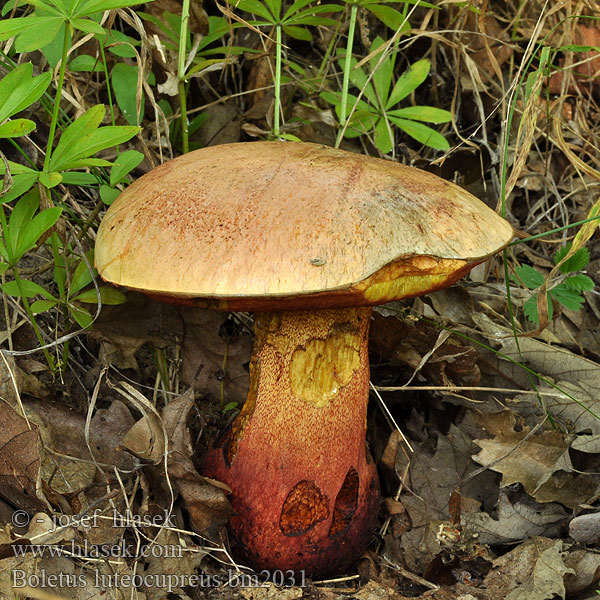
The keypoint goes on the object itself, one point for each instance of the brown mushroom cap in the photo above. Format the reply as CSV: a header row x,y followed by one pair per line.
x,y
263,224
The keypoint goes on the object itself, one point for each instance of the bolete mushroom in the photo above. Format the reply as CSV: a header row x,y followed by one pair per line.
x,y
310,238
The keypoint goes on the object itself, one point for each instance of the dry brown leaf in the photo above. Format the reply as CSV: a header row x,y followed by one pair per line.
x,y
400,341
198,21
586,73
10,380
272,592
552,361
67,467
213,364
207,504
541,463
585,529
175,416
515,520
575,401
146,439
179,558
223,125
123,329
489,50
575,407
433,479
534,570
20,481
586,570
107,430
590,444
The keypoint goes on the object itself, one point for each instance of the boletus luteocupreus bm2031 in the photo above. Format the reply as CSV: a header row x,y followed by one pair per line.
x,y
309,238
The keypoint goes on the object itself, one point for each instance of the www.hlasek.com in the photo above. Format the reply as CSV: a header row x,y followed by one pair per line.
x,y
167,582
86,550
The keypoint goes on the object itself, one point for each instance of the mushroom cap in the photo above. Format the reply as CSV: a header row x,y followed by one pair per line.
x,y
276,225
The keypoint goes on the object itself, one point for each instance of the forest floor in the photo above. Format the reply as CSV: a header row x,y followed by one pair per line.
x,y
488,449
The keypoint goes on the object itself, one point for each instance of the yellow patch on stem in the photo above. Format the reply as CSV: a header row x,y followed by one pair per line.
x,y
321,367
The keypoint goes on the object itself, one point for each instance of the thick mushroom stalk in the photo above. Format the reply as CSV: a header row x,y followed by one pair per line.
x,y
304,488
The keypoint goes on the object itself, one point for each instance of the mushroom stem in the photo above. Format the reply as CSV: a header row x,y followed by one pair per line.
x,y
304,488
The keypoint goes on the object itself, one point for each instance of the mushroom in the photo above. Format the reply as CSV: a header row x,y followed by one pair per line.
x,y
309,238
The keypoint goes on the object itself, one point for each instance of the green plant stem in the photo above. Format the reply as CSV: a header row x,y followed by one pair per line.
x,y
551,231
59,87
277,81
183,31
34,324
36,329
185,126
108,87
346,80
329,50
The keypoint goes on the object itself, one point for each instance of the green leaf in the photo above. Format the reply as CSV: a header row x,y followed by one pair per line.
x,y
568,298
19,89
358,78
410,80
577,262
50,180
41,223
55,7
274,7
81,315
384,138
30,289
422,133
295,8
22,183
69,145
39,34
80,179
298,33
52,51
314,16
382,77
19,221
108,195
107,295
87,162
120,45
390,17
530,277
18,25
428,114
124,80
195,124
3,267
94,6
256,8
88,26
40,306
24,230
126,162
531,312
15,168
579,283
16,128
298,9
85,63
82,275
